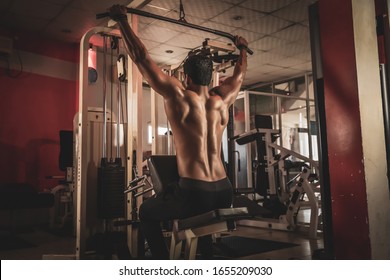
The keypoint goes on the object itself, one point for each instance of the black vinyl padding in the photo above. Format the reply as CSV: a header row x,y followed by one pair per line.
x,y
213,216
163,171
65,158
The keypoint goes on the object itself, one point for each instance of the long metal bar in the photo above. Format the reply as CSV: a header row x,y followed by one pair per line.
x,y
104,153
279,95
318,86
308,116
263,84
118,123
183,23
386,115
248,147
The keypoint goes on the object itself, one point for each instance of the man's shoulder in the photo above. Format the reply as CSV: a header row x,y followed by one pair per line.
x,y
215,92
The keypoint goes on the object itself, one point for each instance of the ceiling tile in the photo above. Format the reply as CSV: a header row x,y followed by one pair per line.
x,y
205,9
305,23
245,16
265,68
290,49
75,13
169,13
185,40
164,5
159,59
306,56
157,34
252,77
150,44
235,2
264,78
267,25
265,58
288,72
307,66
293,33
252,80
62,25
287,62
218,26
267,43
178,27
266,6
28,8
248,35
161,50
295,12
12,21
94,6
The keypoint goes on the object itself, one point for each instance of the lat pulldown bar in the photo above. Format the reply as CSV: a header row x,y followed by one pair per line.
x,y
190,25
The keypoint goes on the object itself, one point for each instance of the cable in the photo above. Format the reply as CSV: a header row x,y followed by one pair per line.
x,y
182,13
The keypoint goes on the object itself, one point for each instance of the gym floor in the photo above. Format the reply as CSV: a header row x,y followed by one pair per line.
x,y
42,242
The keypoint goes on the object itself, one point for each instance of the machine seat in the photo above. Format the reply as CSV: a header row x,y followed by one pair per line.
x,y
213,216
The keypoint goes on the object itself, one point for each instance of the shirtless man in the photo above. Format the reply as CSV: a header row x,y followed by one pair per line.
x,y
198,116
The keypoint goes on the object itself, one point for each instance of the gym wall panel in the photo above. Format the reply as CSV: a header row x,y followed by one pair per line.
x,y
346,160
34,107
372,123
33,43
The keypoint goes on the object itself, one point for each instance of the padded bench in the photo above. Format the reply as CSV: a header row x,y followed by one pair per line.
x,y
212,222
163,171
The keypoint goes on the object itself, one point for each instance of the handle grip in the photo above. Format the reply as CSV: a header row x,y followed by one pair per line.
x,y
248,50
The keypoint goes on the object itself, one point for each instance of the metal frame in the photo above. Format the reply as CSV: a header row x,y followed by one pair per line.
x,y
288,221
82,126
277,125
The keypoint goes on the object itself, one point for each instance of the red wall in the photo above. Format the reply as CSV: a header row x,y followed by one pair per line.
x,y
346,167
33,109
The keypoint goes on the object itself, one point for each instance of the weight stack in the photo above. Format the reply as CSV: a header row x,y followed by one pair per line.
x,y
111,186
262,181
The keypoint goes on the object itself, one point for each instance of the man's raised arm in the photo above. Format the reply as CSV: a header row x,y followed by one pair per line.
x,y
160,82
230,87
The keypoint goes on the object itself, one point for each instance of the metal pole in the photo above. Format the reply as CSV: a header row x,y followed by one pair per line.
x,y
104,152
279,108
308,117
119,117
386,116
248,147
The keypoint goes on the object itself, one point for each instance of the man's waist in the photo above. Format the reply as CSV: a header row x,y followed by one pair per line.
x,y
198,184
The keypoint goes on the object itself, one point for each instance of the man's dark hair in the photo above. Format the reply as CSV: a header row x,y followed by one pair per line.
x,y
199,68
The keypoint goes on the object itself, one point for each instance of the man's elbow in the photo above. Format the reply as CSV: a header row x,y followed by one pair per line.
x,y
240,77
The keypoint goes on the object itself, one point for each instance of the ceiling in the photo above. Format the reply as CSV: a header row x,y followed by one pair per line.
x,y
277,30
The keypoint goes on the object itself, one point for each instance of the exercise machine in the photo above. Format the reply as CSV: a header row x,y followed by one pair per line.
x,y
285,197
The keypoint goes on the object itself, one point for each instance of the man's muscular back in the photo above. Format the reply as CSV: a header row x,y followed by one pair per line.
x,y
198,121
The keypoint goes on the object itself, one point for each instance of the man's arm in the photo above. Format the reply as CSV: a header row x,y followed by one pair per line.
x,y
230,87
160,82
